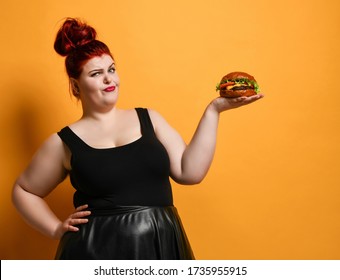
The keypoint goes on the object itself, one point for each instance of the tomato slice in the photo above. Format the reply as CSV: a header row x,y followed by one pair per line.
x,y
224,85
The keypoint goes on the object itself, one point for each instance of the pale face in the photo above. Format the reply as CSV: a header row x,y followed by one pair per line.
x,y
98,83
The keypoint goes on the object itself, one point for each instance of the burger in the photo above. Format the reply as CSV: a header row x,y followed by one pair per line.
x,y
236,84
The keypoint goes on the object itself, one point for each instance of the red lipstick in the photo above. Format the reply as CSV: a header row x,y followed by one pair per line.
x,y
110,89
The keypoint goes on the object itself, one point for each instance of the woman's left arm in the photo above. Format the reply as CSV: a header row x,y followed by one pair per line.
x,y
190,163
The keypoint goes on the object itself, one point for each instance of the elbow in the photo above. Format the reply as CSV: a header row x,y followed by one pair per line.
x,y
16,194
189,181
196,180
189,176
192,174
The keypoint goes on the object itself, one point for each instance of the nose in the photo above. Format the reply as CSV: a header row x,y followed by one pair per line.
x,y
107,79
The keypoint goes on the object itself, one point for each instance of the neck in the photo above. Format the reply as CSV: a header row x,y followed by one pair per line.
x,y
100,115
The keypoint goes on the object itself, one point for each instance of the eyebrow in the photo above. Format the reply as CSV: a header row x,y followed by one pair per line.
x,y
100,69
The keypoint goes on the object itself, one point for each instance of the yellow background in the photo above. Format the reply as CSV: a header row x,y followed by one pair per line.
x,y
273,190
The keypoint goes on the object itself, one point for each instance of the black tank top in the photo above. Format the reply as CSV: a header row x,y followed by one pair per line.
x,y
133,174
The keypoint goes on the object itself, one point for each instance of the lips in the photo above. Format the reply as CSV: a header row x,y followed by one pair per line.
x,y
110,89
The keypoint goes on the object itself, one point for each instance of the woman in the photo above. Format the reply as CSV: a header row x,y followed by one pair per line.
x,y
119,162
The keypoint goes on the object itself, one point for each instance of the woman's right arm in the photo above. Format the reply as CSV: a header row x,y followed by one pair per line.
x,y
46,170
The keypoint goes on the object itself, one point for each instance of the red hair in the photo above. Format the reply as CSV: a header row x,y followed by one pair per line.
x,y
77,41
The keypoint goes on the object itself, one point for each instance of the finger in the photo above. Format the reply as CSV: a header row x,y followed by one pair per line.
x,y
72,228
80,214
250,99
78,221
256,97
234,99
82,207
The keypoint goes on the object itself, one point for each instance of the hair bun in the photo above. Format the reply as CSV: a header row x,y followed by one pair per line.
x,y
73,34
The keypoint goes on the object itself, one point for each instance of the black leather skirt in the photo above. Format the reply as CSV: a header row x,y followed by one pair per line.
x,y
128,233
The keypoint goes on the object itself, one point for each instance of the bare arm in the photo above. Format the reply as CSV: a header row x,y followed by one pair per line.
x,y
190,163
43,174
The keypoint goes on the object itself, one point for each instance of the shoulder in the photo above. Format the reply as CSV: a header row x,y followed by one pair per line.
x,y
158,121
52,142
155,116
163,129
52,146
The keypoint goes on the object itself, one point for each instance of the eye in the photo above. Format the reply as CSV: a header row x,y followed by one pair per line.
x,y
95,74
112,70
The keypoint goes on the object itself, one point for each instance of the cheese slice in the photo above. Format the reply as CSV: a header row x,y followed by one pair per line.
x,y
236,85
